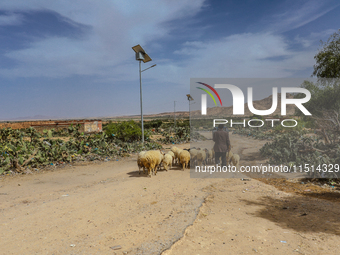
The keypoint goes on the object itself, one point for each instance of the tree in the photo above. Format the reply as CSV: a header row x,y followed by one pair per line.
x,y
325,92
325,96
325,102
328,58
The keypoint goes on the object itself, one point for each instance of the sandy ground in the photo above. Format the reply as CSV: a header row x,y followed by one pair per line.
x,y
108,208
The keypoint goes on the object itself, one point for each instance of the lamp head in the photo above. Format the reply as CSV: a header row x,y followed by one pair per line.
x,y
190,97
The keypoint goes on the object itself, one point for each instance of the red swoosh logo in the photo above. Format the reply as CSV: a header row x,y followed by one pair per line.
x,y
212,90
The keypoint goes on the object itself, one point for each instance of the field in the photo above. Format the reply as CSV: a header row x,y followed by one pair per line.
x,y
89,207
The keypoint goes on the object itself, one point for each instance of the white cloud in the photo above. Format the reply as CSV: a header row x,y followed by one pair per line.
x,y
323,34
246,55
310,40
106,51
112,18
116,26
296,15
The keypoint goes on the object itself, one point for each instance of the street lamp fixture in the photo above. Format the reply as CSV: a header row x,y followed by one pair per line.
x,y
190,97
148,68
141,55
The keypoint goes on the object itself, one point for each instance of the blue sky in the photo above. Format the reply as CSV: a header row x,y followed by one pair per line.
x,y
73,59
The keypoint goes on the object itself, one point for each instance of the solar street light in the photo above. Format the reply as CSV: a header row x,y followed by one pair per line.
x,y
190,99
141,55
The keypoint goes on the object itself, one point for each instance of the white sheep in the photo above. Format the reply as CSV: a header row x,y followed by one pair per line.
x,y
162,155
211,156
167,161
140,163
201,157
193,157
152,160
229,156
177,153
235,159
175,150
208,158
173,156
184,158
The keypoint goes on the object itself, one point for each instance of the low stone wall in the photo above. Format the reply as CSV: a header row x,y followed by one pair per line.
x,y
87,126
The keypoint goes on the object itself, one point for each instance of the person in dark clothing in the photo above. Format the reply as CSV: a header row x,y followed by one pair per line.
x,y
222,145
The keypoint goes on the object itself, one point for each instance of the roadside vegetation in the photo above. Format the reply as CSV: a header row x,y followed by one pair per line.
x,y
27,149
320,144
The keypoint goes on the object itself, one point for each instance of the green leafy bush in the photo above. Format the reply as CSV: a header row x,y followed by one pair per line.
x,y
16,151
126,131
299,127
183,123
297,150
156,124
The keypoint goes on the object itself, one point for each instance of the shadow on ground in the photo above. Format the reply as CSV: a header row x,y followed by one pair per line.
x,y
305,187
136,173
300,213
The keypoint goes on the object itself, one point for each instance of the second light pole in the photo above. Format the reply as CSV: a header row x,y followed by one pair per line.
x,y
189,99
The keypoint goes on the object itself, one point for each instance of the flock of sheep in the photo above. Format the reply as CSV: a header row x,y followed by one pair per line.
x,y
153,159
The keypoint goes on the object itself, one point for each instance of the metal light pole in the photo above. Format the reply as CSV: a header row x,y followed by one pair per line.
x,y
141,99
141,55
189,99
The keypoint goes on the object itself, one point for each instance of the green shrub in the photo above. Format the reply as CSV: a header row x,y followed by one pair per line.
x,y
299,127
152,124
294,149
184,123
126,131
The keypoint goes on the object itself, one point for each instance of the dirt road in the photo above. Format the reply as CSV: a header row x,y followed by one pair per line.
x,y
109,209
